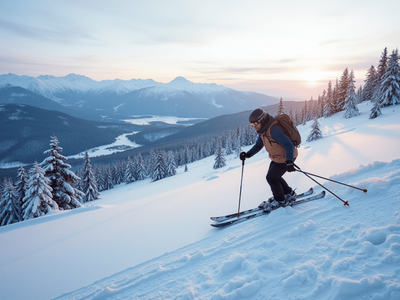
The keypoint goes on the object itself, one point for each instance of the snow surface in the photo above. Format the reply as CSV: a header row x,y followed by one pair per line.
x,y
150,240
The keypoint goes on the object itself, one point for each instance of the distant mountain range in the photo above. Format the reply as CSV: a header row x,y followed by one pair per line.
x,y
118,99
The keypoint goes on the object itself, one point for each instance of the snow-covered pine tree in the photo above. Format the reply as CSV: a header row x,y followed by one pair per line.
x,y
89,184
38,199
315,133
160,168
343,88
390,85
100,177
360,94
375,110
370,84
350,106
130,171
119,171
208,151
10,209
321,104
140,168
304,113
22,184
171,165
151,162
237,145
228,147
370,81
281,107
188,155
219,156
108,177
380,72
335,95
328,109
297,117
61,178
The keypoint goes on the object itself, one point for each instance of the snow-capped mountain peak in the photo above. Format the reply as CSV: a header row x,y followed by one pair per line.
x,y
79,90
181,83
180,80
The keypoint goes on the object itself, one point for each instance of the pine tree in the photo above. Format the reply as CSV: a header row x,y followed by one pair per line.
x,y
160,168
343,88
38,199
61,178
351,100
315,133
281,107
390,86
171,165
152,159
237,145
370,82
304,115
22,184
108,178
321,104
10,210
228,147
140,168
380,72
219,157
375,110
130,171
100,177
328,109
360,94
335,96
119,172
89,184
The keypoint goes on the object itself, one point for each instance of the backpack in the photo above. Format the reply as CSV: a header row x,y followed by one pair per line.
x,y
289,128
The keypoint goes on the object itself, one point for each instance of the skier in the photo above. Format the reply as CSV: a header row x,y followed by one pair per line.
x,y
282,154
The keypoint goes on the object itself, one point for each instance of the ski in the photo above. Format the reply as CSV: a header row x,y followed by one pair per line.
x,y
254,210
260,212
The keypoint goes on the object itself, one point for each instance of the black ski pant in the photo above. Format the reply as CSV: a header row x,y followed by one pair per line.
x,y
278,185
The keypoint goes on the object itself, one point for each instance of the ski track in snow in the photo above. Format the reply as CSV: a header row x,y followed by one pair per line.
x,y
332,257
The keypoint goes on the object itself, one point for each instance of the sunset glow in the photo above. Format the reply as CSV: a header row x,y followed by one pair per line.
x,y
288,48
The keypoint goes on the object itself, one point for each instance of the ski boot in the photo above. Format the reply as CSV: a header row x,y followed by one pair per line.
x,y
266,206
289,199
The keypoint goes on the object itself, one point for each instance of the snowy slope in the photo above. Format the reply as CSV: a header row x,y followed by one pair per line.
x,y
153,240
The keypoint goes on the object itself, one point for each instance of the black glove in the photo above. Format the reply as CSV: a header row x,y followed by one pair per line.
x,y
244,155
290,166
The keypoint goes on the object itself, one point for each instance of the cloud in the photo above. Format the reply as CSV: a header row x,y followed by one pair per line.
x,y
66,35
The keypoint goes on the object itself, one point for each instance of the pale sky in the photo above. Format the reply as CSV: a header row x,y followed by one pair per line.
x,y
282,48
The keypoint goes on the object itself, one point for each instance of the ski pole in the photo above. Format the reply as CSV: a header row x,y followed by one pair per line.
x,y
338,182
240,193
346,203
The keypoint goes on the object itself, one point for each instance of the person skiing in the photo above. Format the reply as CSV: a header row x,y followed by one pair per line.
x,y
282,153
